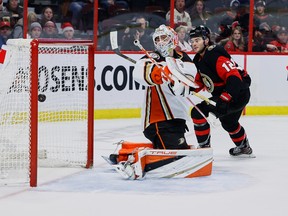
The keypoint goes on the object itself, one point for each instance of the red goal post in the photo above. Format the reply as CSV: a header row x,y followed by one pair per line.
x,y
47,107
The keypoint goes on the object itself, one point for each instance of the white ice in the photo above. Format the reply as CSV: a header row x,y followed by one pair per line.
x,y
249,187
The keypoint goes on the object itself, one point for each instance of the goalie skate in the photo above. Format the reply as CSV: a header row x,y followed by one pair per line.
x,y
107,159
125,169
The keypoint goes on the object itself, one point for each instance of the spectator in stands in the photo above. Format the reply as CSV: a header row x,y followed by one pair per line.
x,y
5,31
281,41
261,41
226,21
219,6
76,7
199,15
261,16
17,31
47,15
183,45
141,33
268,32
236,42
2,8
35,30
282,16
32,17
15,9
13,12
112,6
68,31
224,33
229,16
6,16
278,6
242,18
50,30
181,17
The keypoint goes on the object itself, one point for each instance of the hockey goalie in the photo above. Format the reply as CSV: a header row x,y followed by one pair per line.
x,y
139,160
168,75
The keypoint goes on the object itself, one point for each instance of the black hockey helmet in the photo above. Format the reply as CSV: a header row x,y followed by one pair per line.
x,y
200,31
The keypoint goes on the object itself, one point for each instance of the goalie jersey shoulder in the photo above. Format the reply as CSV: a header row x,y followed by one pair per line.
x,y
155,55
182,56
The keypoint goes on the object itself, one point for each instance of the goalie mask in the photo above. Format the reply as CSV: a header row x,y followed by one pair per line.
x,y
165,39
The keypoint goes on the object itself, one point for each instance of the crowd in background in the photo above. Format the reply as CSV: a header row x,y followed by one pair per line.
x,y
228,21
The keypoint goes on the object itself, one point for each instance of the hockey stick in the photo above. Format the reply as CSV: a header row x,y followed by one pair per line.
x,y
212,123
115,48
178,74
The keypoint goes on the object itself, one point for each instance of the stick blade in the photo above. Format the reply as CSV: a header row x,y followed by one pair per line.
x,y
113,39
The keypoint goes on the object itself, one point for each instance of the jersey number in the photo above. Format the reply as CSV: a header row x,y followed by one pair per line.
x,y
230,65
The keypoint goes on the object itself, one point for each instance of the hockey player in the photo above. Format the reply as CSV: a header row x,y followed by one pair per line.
x,y
164,113
229,85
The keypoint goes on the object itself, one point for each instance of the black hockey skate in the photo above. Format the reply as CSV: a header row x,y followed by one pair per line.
x,y
205,144
113,158
242,150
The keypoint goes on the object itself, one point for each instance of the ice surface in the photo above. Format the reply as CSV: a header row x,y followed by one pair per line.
x,y
251,186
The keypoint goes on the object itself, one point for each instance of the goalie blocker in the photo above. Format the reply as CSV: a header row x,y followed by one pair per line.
x,y
136,160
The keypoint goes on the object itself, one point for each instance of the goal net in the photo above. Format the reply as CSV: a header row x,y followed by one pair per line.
x,y
46,107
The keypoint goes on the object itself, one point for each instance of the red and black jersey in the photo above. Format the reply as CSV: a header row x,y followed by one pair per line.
x,y
281,47
218,72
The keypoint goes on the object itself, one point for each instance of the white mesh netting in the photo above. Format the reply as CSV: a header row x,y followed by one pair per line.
x,y
62,115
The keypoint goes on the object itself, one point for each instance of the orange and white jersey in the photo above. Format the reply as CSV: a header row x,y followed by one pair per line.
x,y
160,104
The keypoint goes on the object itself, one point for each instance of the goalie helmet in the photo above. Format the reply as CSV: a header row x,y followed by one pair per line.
x,y
200,31
165,39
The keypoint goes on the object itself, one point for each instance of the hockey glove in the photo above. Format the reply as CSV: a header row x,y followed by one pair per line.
x,y
223,102
157,74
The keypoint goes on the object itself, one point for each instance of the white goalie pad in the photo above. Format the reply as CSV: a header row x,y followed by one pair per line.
x,y
192,163
155,163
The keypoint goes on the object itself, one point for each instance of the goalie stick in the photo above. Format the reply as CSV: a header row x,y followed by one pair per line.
x,y
115,48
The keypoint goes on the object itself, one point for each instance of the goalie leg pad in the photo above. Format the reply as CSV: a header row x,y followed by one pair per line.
x,y
155,163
